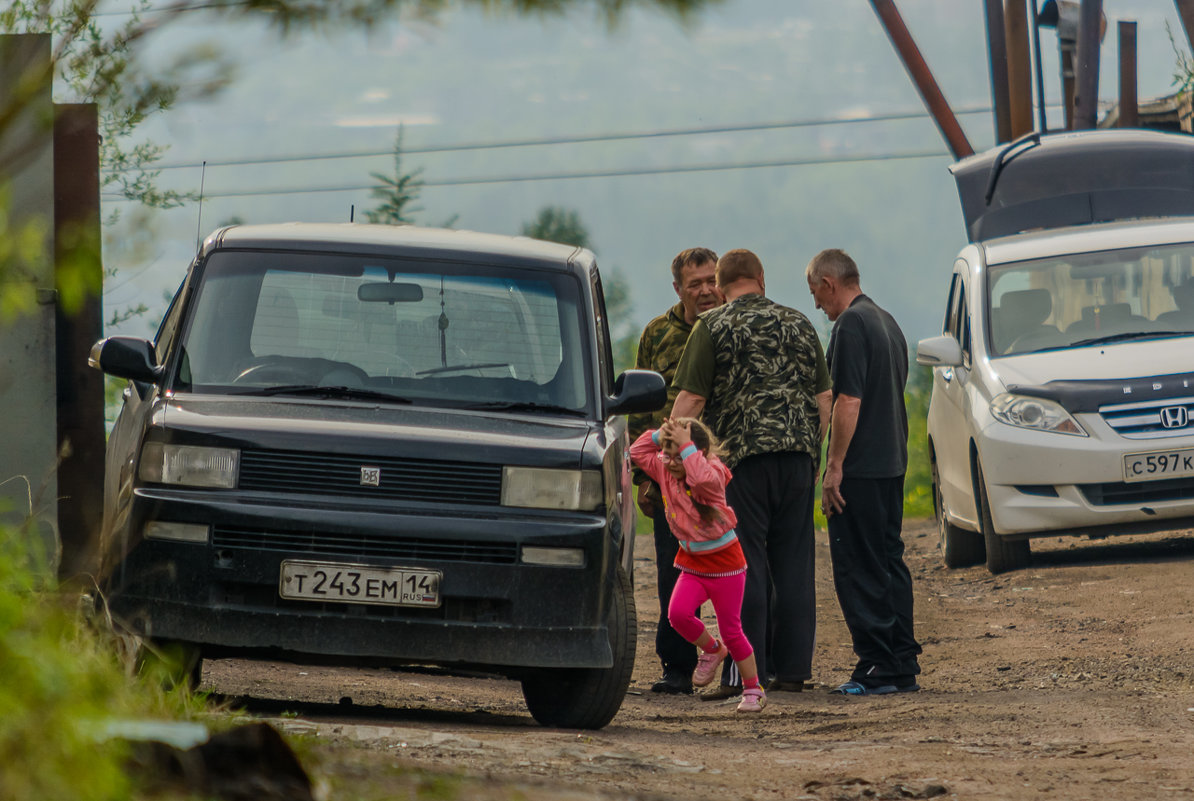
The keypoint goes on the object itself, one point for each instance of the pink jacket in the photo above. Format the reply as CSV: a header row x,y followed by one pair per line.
x,y
704,481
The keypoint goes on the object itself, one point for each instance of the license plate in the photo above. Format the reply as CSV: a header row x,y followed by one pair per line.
x,y
1159,464
359,584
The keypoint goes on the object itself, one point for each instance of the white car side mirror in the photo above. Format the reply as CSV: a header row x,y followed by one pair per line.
x,y
942,351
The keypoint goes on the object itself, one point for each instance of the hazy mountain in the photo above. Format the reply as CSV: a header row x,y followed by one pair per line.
x,y
475,79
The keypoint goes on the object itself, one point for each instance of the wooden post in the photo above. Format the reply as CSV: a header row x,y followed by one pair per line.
x,y
1019,67
78,324
997,56
1086,91
1129,116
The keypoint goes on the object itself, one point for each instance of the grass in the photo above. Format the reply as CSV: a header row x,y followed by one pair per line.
x,y
63,679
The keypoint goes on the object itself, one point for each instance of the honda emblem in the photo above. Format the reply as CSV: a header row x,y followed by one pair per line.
x,y
1175,417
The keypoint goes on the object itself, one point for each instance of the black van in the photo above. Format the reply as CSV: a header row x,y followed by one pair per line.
x,y
390,445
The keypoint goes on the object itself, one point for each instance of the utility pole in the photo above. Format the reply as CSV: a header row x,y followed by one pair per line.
x,y
997,56
1129,116
1019,68
1086,92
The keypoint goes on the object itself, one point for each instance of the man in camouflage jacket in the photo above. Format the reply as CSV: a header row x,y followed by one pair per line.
x,y
757,372
659,349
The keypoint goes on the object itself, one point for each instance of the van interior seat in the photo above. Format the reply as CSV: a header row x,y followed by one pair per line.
x,y
1022,314
1108,318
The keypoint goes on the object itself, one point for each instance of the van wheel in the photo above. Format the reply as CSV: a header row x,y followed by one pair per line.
x,y
959,547
1002,554
588,698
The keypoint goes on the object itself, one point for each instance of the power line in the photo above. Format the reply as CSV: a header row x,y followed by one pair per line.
x,y
593,174
560,140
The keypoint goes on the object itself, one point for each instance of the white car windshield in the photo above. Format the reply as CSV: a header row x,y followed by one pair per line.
x,y
1091,298
420,332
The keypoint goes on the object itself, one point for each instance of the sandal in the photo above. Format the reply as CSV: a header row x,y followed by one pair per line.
x,y
753,700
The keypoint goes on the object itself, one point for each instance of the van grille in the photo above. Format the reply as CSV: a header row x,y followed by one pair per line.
x,y
1118,492
1151,419
366,545
425,480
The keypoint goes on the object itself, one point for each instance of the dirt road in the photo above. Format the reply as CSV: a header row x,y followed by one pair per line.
x,y
1073,679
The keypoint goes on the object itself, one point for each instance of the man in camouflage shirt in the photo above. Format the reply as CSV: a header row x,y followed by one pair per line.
x,y
757,372
659,349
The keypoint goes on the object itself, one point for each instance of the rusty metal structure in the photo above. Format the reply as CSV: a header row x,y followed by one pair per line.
x,y
1014,64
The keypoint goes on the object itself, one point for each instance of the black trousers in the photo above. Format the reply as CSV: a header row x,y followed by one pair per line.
x,y
676,654
873,584
772,495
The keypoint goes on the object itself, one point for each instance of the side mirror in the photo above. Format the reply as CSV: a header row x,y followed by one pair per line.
x,y
942,351
637,391
125,357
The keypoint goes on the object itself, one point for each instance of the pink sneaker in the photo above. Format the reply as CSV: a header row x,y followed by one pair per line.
x,y
753,700
707,665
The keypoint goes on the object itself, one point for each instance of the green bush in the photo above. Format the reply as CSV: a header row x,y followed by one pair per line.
x,y
918,481
63,680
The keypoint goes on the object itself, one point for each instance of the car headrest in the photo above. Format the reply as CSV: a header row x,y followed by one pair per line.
x,y
1029,307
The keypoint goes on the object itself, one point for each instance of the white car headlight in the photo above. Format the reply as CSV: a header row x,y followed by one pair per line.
x,y
189,465
1039,414
543,488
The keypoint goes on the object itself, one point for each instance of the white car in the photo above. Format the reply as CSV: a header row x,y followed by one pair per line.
x,y
1063,386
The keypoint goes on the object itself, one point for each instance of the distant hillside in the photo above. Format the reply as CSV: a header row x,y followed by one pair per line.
x,y
475,79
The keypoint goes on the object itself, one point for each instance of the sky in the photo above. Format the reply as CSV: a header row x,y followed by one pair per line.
x,y
753,125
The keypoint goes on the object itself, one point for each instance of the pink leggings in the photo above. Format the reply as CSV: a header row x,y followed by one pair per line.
x,y
726,594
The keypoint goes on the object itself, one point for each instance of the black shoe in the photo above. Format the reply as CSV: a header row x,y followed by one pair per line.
x,y
673,683
781,686
721,692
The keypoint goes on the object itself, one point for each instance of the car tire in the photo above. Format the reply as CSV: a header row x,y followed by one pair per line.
x,y
588,698
1002,554
959,547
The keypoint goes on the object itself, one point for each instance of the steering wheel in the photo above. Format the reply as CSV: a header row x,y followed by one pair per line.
x,y
270,369
1041,337
345,375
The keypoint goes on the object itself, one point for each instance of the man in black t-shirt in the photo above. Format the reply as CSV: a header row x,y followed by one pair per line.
x,y
862,494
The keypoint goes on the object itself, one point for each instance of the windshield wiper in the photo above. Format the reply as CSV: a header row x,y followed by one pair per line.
x,y
522,406
1125,337
317,390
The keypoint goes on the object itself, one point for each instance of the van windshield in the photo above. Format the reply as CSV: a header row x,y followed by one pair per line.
x,y
422,332
1091,298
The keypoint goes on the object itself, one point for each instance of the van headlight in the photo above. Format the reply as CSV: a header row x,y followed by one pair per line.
x,y
1039,414
544,488
189,465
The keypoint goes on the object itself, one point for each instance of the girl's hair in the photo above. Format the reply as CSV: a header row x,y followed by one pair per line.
x,y
706,443
702,437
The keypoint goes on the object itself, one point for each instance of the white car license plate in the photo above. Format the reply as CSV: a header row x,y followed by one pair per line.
x,y
1159,464
359,584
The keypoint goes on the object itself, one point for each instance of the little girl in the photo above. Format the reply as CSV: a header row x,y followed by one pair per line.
x,y
681,457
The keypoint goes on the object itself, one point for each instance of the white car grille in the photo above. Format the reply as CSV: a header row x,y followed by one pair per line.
x,y
1152,419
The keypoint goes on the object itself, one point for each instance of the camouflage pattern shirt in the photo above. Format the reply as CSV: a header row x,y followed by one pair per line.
x,y
759,366
659,349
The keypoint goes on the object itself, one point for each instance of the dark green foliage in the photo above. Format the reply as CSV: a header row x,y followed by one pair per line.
x,y
397,193
558,224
